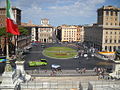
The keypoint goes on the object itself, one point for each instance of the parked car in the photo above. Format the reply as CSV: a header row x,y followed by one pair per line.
x,y
43,45
34,44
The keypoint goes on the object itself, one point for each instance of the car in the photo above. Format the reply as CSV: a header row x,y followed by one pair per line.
x,y
43,45
42,62
76,56
92,55
32,63
85,55
34,44
37,63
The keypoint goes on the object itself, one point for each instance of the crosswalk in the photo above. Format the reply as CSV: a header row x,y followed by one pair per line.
x,y
38,73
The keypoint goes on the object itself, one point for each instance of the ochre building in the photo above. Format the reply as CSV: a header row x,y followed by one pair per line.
x,y
70,33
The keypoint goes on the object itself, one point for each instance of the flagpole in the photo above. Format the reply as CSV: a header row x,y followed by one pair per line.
x,y
8,67
7,44
7,47
16,46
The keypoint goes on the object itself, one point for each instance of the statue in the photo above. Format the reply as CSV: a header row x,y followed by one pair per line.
x,y
8,67
117,55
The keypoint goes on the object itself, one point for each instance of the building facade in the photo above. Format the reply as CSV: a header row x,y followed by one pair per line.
x,y
43,33
22,40
17,15
105,35
70,33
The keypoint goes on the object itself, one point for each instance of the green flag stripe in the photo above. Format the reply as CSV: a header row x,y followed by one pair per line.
x,y
8,8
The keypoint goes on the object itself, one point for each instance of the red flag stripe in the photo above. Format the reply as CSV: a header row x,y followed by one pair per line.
x,y
11,27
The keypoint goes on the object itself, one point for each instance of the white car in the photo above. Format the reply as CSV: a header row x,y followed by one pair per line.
x,y
76,56
92,55
85,55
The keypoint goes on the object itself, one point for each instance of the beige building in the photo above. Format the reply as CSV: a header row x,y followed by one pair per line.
x,y
70,33
43,33
105,35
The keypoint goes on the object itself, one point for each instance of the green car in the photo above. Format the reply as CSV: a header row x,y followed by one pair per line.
x,y
43,60
32,63
37,63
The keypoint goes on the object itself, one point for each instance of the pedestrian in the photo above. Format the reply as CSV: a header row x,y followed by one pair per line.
x,y
45,71
77,70
84,70
95,69
81,71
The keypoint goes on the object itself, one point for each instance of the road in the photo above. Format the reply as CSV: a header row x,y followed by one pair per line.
x,y
66,64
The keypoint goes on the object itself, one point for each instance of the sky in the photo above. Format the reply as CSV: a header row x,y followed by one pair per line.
x,y
71,12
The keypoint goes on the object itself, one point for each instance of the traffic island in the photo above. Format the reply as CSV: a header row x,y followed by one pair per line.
x,y
60,52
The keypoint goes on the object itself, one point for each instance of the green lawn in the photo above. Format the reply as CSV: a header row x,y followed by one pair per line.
x,y
60,52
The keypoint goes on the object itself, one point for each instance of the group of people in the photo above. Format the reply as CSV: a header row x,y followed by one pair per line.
x,y
55,70
100,72
82,70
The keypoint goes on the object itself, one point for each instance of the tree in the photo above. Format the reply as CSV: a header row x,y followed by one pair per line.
x,y
4,34
23,31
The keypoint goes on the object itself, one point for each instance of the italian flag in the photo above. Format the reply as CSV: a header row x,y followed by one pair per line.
x,y
11,26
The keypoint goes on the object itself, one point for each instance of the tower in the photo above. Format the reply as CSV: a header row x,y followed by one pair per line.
x,y
44,22
108,16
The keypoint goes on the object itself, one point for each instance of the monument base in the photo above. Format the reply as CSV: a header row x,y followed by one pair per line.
x,y
20,67
7,81
116,70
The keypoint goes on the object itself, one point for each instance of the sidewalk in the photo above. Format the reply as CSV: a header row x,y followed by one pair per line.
x,y
49,73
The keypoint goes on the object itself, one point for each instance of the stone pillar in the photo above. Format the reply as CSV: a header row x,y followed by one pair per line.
x,y
116,70
7,79
20,66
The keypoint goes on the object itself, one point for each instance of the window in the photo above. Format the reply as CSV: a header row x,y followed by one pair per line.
x,y
114,41
114,48
118,41
110,48
106,41
105,48
106,32
107,13
115,32
106,18
110,40
115,13
118,47
111,13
